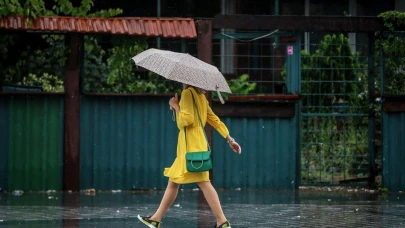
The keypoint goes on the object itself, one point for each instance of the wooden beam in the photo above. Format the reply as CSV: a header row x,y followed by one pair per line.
x,y
298,23
264,109
71,158
394,106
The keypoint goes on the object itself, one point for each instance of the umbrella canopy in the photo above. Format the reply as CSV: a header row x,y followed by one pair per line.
x,y
183,68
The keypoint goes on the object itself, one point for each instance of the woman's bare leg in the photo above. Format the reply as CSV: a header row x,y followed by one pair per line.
x,y
212,198
168,198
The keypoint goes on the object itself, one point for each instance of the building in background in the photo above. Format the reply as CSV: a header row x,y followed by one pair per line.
x,y
234,58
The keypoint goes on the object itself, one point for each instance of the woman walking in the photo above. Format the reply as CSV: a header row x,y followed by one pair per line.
x,y
192,104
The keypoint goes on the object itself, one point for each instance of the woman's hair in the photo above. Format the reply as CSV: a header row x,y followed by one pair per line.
x,y
199,90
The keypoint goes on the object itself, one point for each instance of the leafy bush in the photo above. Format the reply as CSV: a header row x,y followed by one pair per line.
x,y
334,148
238,86
49,83
333,69
394,54
46,54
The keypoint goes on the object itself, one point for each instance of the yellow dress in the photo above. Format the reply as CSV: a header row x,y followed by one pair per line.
x,y
188,117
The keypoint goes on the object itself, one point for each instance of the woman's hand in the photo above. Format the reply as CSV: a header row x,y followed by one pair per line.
x,y
234,145
174,103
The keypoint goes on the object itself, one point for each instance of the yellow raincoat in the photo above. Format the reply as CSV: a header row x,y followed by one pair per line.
x,y
188,117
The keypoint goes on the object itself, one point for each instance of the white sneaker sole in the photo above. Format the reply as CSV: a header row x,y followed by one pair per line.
x,y
150,226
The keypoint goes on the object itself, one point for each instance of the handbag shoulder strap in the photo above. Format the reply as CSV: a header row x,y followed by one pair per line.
x,y
202,126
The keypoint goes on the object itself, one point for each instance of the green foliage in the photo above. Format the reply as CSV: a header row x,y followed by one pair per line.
x,y
28,8
333,73
241,85
393,54
120,74
333,61
95,66
35,8
48,55
120,63
393,19
49,83
331,154
113,70
238,86
162,85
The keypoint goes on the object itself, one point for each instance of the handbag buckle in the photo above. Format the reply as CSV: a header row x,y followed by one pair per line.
x,y
202,163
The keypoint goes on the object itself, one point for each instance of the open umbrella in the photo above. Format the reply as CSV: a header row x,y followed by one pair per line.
x,y
183,68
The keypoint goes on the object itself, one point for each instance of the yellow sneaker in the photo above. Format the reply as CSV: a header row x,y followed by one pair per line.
x,y
225,225
150,223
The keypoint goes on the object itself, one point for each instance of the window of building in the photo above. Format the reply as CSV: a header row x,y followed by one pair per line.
x,y
329,8
258,7
374,7
292,7
190,8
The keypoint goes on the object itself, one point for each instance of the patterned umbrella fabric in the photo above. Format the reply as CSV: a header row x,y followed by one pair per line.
x,y
183,68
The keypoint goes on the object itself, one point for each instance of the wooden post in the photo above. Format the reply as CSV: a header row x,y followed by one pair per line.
x,y
71,207
204,47
71,156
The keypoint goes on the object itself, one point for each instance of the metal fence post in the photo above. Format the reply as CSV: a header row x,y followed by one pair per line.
x,y
371,126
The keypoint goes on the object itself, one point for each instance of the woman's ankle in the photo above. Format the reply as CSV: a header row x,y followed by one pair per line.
x,y
220,222
155,218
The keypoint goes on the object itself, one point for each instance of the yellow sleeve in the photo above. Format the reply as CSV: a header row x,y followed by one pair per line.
x,y
216,123
186,115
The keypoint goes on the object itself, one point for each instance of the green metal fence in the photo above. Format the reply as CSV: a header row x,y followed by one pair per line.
x,y
31,142
268,159
260,56
118,138
392,88
334,113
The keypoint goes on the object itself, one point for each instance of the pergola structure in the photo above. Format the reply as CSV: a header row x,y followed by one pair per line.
x,y
74,28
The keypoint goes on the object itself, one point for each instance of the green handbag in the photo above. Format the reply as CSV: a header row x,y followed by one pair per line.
x,y
199,161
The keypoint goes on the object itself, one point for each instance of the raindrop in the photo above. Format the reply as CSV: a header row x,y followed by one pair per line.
x,y
176,205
